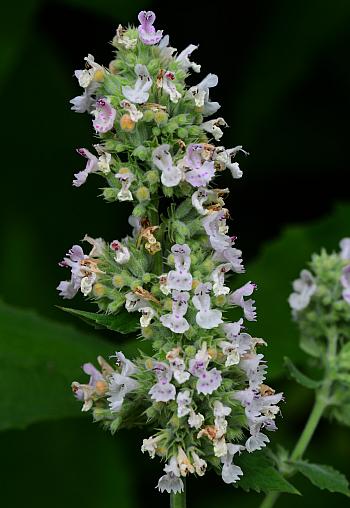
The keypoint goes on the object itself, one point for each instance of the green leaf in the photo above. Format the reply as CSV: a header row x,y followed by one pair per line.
x,y
38,361
124,322
299,376
261,475
323,477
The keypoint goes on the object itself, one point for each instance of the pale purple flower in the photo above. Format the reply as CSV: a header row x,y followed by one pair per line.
x,y
91,167
237,298
179,370
73,260
104,116
345,282
202,176
345,248
95,375
216,229
208,381
139,93
185,62
195,420
183,400
163,390
135,223
147,32
255,442
128,368
165,51
200,93
166,83
83,103
206,317
220,410
170,174
254,368
176,321
213,127
233,329
231,473
231,255
304,288
171,481
180,278
119,386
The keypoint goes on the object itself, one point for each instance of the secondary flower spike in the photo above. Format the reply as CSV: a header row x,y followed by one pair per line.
x,y
174,278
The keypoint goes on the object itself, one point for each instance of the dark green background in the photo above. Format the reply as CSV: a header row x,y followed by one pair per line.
x,y
284,88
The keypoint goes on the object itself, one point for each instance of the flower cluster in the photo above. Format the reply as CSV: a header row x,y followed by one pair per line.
x,y
202,393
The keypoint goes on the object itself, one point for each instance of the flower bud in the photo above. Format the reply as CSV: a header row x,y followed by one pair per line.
x,y
182,133
118,281
146,278
156,131
99,290
126,123
110,194
152,177
141,152
161,117
142,194
112,145
190,351
139,211
147,332
148,116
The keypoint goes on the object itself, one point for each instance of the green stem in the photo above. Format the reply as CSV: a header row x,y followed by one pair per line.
x,y
178,500
158,257
320,404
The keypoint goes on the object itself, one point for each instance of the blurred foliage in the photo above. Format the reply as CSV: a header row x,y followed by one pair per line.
x,y
284,88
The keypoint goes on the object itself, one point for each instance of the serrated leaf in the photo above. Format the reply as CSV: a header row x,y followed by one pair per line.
x,y
38,361
124,322
323,477
299,376
261,475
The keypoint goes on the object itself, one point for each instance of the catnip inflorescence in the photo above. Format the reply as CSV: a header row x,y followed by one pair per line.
x,y
204,385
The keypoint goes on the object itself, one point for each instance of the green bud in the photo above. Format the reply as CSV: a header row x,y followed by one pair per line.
x,y
171,126
135,284
168,191
115,424
146,278
112,145
153,66
152,177
161,117
110,194
182,133
190,351
130,58
115,305
142,194
194,131
148,116
156,131
141,152
139,211
182,119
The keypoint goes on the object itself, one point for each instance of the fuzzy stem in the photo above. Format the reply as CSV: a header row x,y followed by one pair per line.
x,y
178,500
320,404
158,257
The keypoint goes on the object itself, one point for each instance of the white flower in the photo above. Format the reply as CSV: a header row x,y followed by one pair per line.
x,y
231,353
163,284
122,254
104,160
98,246
147,315
171,481
183,400
256,442
139,93
213,127
198,199
86,76
200,93
170,174
166,83
126,180
199,464
206,317
220,409
184,463
83,103
134,302
183,59
304,288
134,113
220,447
87,283
230,472
225,156
123,40
119,386
195,420
150,445
218,276
237,298
176,321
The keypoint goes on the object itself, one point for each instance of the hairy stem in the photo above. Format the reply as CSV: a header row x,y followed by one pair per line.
x,y
320,404
158,257
178,500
